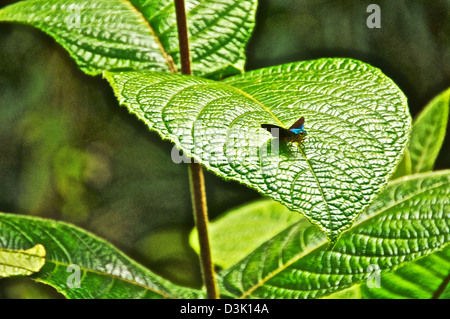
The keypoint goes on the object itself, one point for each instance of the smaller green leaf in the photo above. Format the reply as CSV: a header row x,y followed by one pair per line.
x,y
142,35
426,278
427,136
99,35
18,262
408,221
240,231
404,168
80,265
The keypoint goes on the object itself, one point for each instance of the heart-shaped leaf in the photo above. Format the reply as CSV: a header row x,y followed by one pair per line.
x,y
79,264
139,34
356,118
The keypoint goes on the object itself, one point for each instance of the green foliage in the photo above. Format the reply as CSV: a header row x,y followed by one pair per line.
x,y
142,35
407,221
357,122
424,279
427,136
105,272
18,262
238,232
358,127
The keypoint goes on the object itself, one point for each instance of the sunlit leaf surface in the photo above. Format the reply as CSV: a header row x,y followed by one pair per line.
x,y
356,118
138,34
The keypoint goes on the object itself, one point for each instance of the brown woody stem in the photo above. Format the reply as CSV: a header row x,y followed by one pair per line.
x,y
196,178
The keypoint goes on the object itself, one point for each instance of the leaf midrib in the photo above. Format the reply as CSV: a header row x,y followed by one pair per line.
x,y
88,270
167,57
301,150
267,110
278,270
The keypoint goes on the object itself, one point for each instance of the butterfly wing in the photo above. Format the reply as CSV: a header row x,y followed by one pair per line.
x,y
275,130
278,131
299,124
269,127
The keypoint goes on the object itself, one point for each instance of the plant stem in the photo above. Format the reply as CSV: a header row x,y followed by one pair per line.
x,y
183,37
201,221
196,178
441,288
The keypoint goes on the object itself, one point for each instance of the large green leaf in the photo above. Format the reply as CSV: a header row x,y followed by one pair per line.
x,y
104,272
112,34
409,220
427,136
357,122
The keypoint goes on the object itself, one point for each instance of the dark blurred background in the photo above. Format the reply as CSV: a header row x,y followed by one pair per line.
x,y
69,152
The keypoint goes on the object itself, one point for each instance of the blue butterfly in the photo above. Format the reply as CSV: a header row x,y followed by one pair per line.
x,y
296,133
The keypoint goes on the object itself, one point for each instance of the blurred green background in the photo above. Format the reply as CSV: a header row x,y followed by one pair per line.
x,y
69,152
